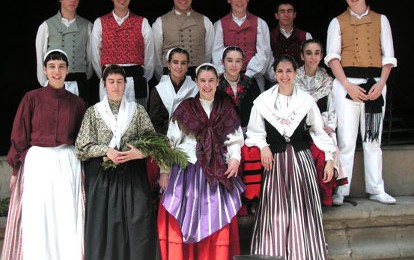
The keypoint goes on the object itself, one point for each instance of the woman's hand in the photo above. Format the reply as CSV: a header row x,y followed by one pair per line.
x,y
266,158
113,155
132,154
328,171
163,181
233,168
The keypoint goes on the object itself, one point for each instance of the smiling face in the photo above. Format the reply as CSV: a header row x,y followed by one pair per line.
x,y
56,71
238,7
115,86
207,82
285,74
178,66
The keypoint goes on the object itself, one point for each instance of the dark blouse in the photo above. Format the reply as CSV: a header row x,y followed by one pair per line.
x,y
45,117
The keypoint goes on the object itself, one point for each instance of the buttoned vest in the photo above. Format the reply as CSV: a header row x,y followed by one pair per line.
x,y
72,40
187,32
122,44
360,41
244,36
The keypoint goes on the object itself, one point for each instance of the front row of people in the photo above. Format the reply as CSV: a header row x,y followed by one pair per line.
x,y
197,214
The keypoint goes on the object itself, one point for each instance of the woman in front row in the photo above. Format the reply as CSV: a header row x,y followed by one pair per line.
x,y
119,211
197,217
288,222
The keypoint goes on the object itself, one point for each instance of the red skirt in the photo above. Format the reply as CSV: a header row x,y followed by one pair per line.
x,y
223,244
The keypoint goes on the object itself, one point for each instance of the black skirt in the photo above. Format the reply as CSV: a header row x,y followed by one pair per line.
x,y
120,221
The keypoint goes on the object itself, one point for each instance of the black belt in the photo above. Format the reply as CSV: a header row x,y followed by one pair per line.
x,y
362,72
77,76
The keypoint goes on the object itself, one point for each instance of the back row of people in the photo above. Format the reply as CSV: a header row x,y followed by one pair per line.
x,y
124,38
274,129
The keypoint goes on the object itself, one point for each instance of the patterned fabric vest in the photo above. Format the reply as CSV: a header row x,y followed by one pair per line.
x,y
187,32
361,42
122,44
282,45
72,40
244,36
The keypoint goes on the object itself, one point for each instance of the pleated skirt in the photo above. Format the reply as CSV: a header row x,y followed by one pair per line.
x,y
288,221
46,209
193,216
120,221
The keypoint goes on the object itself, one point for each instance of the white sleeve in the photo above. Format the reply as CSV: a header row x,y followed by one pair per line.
x,y
209,39
89,67
96,47
41,49
149,56
158,39
234,144
256,131
387,45
218,47
333,42
318,134
259,62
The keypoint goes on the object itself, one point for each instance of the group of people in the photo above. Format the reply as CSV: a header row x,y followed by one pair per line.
x,y
211,99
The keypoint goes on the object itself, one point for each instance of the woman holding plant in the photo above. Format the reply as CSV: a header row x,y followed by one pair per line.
x,y
119,221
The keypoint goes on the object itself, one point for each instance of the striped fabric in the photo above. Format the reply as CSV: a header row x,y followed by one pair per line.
x,y
12,244
199,210
288,222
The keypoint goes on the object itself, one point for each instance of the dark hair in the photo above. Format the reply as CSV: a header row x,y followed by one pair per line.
x,y
178,50
206,67
56,55
286,2
308,41
283,58
232,48
113,69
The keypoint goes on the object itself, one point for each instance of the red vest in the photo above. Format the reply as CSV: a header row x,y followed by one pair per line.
x,y
122,44
244,36
282,45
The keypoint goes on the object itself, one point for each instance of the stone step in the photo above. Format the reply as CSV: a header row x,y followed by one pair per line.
x,y
368,230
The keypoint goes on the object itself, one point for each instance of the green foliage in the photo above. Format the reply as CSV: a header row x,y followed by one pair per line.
x,y
157,146
4,207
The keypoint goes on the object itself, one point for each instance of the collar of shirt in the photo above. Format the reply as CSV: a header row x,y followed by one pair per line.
x,y
239,21
120,20
178,13
359,16
286,33
66,22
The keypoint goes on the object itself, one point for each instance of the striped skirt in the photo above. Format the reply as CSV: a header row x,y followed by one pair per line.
x,y
288,222
199,210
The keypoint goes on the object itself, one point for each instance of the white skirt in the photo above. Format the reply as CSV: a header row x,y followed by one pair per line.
x,y
52,204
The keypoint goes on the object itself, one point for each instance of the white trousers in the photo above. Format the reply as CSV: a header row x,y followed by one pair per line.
x,y
351,117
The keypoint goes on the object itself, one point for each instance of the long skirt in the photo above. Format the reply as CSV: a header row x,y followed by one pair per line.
x,y
288,222
119,212
46,209
196,221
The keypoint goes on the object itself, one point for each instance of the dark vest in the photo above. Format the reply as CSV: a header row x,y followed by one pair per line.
x,y
282,45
